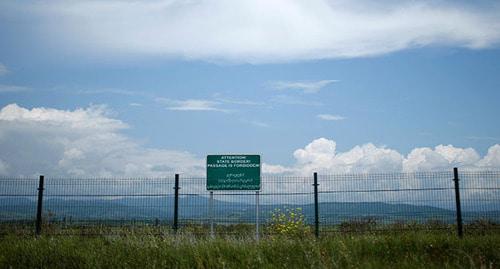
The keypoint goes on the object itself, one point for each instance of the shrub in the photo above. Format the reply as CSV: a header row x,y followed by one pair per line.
x,y
288,222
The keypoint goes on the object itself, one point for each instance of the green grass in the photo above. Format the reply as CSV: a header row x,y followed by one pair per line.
x,y
405,250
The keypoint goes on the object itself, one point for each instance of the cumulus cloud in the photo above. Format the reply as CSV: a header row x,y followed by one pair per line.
x,y
89,142
492,159
259,31
440,158
304,86
321,156
330,117
271,169
82,142
378,170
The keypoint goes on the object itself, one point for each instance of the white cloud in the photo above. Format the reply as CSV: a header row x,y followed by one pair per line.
x,y
330,117
492,159
3,70
92,118
458,156
81,142
424,159
321,156
259,31
304,86
191,105
320,150
275,169
235,101
441,158
12,88
88,142
370,167
111,91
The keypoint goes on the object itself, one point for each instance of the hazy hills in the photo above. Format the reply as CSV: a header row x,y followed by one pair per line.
x,y
195,208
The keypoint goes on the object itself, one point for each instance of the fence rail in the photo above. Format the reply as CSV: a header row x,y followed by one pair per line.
x,y
450,201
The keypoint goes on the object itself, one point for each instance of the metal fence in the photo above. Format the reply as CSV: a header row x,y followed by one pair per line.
x,y
318,204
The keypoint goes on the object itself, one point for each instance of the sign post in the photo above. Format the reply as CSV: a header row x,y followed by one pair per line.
x,y
235,172
211,209
257,215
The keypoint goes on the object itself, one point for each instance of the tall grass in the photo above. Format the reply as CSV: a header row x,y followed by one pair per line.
x,y
408,250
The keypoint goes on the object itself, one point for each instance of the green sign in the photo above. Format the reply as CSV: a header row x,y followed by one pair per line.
x,y
233,172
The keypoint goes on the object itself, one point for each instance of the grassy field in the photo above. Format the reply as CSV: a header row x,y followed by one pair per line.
x,y
405,250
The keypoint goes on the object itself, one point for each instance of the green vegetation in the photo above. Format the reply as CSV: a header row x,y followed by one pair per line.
x,y
287,242
288,222
404,250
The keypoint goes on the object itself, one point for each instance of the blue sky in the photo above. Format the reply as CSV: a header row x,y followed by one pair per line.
x,y
417,75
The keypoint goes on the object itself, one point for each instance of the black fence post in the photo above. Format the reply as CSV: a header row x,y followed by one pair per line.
x,y
460,230
316,208
38,224
176,203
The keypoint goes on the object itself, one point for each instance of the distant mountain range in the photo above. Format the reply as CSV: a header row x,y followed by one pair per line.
x,y
195,208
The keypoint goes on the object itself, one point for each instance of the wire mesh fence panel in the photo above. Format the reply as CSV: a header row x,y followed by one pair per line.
x,y
17,205
236,211
106,205
386,201
480,200
285,205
